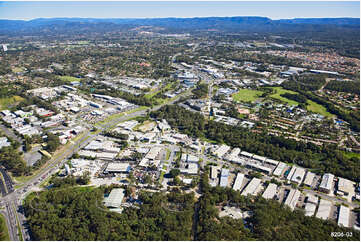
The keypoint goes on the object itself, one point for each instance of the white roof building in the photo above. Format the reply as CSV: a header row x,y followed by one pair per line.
x,y
345,186
270,191
238,182
118,167
324,209
252,187
153,153
272,162
221,151
191,169
309,178
310,209
292,198
224,177
115,198
298,175
327,183
343,216
279,169
189,158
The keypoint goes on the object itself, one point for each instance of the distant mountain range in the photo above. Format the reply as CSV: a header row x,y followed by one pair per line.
x,y
181,24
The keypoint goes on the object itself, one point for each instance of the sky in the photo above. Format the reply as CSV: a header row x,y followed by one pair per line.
x,y
138,9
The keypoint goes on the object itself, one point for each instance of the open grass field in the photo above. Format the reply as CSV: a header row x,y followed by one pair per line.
x,y
279,91
69,78
317,108
4,234
7,101
247,95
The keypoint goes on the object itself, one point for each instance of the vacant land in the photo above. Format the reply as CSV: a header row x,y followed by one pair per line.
x,y
278,91
247,95
6,102
317,108
69,78
4,235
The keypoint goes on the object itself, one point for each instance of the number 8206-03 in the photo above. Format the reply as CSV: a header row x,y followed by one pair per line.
x,y
341,234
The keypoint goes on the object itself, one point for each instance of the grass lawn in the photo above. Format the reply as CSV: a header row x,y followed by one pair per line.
x,y
4,233
7,101
317,108
279,91
247,95
69,78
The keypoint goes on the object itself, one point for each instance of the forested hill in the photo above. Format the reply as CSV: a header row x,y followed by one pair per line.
x,y
223,24
339,34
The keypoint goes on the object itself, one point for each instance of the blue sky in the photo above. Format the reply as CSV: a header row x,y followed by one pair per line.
x,y
273,10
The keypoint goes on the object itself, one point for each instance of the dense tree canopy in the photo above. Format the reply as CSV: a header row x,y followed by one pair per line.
x,y
321,158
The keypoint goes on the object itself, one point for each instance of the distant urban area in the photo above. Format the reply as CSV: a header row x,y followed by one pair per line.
x,y
169,129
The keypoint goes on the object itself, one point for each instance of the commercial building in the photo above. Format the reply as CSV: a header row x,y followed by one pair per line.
x,y
292,198
224,177
343,216
326,183
115,198
324,209
309,178
252,187
238,182
270,191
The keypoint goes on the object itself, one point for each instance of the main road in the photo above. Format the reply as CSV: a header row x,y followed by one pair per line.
x,y
14,213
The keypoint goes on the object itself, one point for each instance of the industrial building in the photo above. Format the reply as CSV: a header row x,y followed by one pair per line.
x,y
343,216
272,162
270,191
309,178
115,198
292,198
324,209
189,158
297,175
238,182
345,186
117,168
224,177
326,183
252,187
279,169
310,209
221,151
258,167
